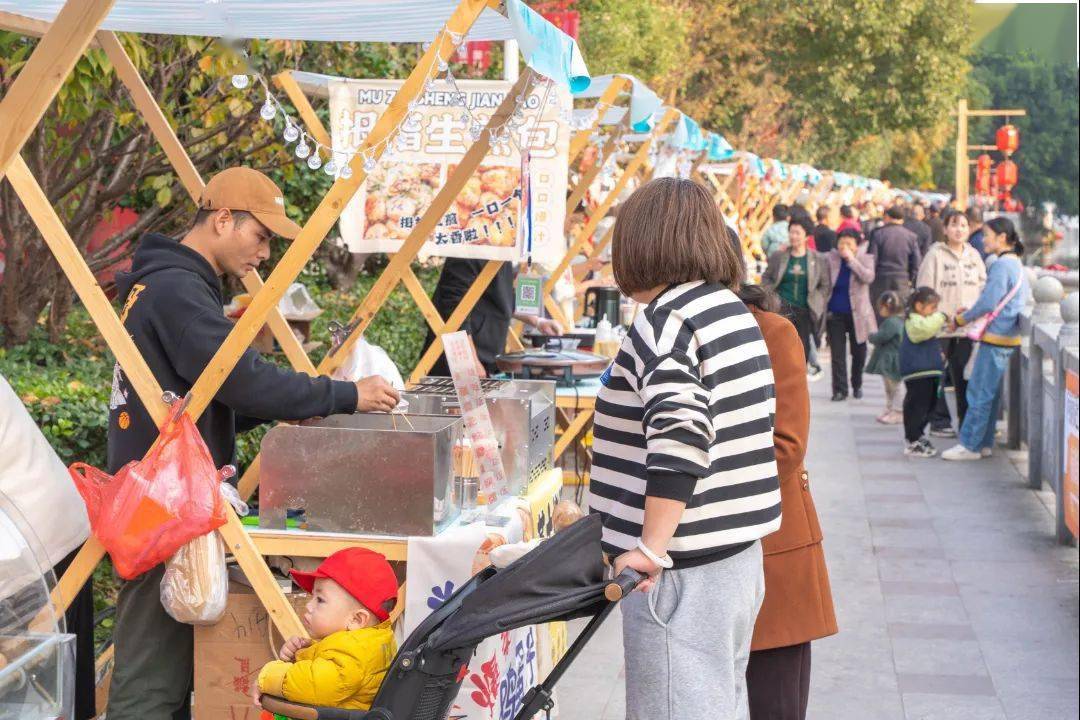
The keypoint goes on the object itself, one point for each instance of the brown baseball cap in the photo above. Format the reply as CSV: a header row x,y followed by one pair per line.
x,y
247,189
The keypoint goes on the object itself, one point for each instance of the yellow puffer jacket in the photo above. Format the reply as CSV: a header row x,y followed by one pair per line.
x,y
343,670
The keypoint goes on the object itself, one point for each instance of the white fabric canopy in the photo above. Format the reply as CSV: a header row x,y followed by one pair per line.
x,y
327,20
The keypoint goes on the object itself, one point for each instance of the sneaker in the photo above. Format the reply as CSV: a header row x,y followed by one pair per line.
x,y
857,393
814,374
959,452
920,448
894,418
839,397
943,432
987,452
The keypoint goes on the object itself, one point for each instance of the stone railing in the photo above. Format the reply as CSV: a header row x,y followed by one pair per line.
x,y
1035,388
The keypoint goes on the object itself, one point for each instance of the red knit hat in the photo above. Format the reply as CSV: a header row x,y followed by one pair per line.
x,y
365,574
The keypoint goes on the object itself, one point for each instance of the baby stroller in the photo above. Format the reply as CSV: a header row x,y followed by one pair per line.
x,y
562,579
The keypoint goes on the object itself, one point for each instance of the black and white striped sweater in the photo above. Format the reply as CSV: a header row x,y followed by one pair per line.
x,y
686,412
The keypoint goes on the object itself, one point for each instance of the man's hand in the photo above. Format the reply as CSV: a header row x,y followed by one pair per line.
x,y
374,394
292,646
548,326
847,255
636,560
256,694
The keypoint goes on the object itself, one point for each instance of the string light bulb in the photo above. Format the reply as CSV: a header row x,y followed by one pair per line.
x,y
240,81
314,162
302,148
268,111
291,132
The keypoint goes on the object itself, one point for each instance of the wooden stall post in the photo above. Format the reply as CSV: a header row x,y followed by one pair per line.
x,y
580,141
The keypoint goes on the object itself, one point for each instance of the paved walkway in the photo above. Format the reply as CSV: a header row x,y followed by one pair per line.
x,y
953,601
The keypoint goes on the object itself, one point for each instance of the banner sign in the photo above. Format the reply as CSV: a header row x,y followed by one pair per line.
x,y
1070,483
485,220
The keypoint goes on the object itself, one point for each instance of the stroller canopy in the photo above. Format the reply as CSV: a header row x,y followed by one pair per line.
x,y
562,579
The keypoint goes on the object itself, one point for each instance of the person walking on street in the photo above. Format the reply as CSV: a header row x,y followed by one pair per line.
x,y
885,360
800,277
957,273
1000,302
914,221
686,408
850,315
775,236
824,236
896,256
936,224
798,606
849,218
173,311
921,361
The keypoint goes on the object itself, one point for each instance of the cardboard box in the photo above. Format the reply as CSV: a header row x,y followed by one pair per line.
x,y
229,655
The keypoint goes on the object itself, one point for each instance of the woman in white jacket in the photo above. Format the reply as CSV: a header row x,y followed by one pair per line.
x,y
956,271
35,481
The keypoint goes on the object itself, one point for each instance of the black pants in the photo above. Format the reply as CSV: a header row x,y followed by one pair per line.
x,y
918,404
957,352
80,623
803,321
841,331
778,683
154,655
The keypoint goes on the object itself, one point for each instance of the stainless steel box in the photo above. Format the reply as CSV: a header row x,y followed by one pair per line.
x,y
522,414
364,473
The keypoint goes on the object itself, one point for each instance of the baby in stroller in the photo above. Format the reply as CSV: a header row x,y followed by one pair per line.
x,y
352,645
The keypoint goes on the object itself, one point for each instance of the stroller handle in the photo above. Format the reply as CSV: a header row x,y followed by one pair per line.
x,y
623,585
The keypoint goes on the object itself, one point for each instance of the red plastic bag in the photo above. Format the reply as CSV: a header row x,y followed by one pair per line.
x,y
151,507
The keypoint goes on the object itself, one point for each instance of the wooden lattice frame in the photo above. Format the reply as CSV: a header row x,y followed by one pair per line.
x,y
75,27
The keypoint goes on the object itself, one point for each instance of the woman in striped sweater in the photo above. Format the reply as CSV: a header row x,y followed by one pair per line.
x,y
684,472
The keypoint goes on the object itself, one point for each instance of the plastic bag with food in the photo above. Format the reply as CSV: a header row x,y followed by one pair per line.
x,y
195,586
151,507
365,360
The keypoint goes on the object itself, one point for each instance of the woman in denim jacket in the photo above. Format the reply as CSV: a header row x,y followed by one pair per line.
x,y
1000,340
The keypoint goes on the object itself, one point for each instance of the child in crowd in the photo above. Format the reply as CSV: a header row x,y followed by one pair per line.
x,y
885,360
352,645
921,363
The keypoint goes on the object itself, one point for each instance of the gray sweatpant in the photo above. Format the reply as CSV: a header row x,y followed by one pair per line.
x,y
687,641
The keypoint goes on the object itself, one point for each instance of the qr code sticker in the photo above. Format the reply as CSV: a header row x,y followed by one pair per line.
x,y
528,293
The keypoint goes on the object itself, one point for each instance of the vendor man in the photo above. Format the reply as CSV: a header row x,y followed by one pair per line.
x,y
173,311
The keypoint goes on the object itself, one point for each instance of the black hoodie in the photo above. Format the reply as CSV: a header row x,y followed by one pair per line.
x,y
173,311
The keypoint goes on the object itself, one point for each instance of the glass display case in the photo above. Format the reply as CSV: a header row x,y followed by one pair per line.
x,y
37,658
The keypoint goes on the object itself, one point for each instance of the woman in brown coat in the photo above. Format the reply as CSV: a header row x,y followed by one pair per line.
x,y
798,604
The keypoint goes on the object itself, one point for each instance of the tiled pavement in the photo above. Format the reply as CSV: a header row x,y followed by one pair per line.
x,y
953,601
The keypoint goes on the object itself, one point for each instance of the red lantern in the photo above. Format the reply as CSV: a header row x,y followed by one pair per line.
x,y
1008,139
1006,175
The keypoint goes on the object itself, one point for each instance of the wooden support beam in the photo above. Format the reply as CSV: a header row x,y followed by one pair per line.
x,y
287,82
580,141
33,90
420,296
86,287
31,27
401,260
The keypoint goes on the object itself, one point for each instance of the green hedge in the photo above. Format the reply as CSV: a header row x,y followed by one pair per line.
x,y
66,385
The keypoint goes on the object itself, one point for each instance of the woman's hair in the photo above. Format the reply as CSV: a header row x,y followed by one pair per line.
x,y
1004,226
950,215
780,212
804,223
668,232
760,297
851,233
889,302
847,211
923,295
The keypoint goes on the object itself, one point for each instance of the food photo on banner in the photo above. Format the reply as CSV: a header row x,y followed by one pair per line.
x,y
484,220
